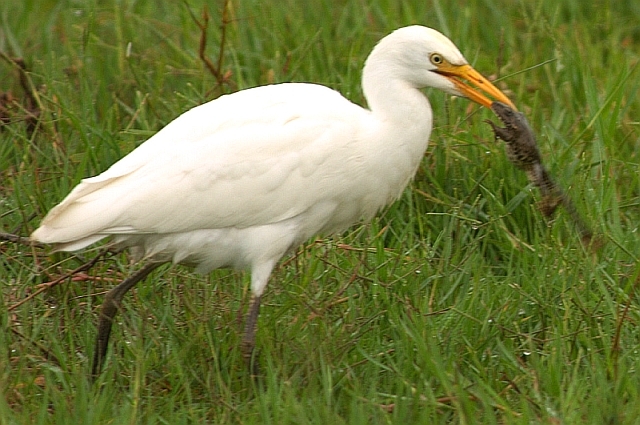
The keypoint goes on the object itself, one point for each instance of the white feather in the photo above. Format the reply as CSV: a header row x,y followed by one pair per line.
x,y
241,180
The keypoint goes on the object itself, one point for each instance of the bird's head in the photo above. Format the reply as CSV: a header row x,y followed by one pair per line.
x,y
427,58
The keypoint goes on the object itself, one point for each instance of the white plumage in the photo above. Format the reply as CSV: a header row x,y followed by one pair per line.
x,y
243,179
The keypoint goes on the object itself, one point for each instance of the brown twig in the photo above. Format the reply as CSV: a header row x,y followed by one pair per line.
x,y
43,287
215,71
223,33
33,106
19,239
615,343
222,78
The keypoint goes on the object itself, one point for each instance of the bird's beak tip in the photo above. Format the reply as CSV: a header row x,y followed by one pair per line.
x,y
473,85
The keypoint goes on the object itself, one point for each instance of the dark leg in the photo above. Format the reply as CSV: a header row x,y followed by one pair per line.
x,y
249,337
110,307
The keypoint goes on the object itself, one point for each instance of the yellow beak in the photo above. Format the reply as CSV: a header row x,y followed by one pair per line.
x,y
473,85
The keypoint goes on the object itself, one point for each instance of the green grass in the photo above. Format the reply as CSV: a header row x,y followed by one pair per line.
x,y
458,304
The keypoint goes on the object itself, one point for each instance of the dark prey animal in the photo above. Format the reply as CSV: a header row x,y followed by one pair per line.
x,y
522,151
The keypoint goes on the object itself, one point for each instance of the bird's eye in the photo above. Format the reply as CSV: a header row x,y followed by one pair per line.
x,y
436,59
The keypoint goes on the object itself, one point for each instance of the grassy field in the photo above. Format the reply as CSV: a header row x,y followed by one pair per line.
x,y
458,304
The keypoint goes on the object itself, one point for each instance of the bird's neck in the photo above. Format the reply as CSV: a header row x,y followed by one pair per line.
x,y
391,98
402,120
395,103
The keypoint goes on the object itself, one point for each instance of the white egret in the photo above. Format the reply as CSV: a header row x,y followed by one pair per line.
x,y
244,179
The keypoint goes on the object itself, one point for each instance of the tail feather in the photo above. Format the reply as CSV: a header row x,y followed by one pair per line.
x,y
80,219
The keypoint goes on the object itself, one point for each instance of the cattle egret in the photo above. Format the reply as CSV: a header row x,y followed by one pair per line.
x,y
242,180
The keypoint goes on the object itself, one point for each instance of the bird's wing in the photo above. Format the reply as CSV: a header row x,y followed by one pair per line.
x,y
252,158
